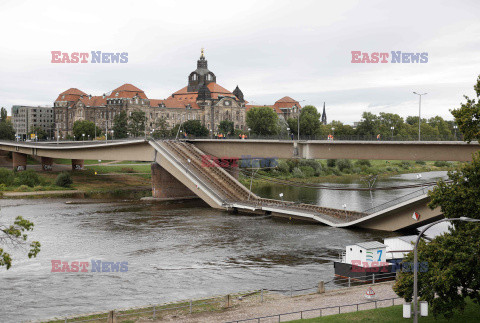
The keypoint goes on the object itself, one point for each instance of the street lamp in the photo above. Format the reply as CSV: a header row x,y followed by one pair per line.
x,y
112,134
455,127
392,128
419,111
415,261
83,137
333,132
249,132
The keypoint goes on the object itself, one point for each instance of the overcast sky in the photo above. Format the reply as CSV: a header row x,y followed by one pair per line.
x,y
269,48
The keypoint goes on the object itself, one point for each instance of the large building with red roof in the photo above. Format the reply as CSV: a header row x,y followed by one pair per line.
x,y
202,99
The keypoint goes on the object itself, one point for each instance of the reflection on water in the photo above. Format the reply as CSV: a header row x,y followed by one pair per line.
x,y
174,251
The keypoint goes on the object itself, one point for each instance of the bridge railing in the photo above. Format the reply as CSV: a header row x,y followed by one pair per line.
x,y
404,198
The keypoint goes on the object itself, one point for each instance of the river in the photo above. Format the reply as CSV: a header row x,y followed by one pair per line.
x,y
174,251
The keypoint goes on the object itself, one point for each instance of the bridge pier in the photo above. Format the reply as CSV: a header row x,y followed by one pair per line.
x,y
47,163
77,164
19,161
166,186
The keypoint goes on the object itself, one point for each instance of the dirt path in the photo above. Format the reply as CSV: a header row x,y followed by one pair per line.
x,y
277,304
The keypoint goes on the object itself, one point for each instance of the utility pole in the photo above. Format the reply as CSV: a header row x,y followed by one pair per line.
x,y
419,112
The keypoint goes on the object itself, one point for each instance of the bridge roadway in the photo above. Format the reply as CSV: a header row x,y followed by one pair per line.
x,y
178,170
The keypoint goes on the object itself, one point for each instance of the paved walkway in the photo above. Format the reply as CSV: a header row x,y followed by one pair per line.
x,y
277,304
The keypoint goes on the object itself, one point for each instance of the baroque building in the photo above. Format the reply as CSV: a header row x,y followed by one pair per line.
x,y
202,99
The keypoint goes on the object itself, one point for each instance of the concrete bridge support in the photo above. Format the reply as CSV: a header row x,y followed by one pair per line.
x,y
19,161
77,164
166,186
47,163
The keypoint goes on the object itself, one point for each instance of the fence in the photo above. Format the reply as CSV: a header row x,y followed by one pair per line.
x,y
226,301
322,311
424,190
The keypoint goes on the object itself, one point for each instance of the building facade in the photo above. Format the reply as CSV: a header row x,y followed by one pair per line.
x,y
26,119
202,99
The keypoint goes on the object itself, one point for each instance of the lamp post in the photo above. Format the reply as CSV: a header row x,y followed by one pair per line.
x,y
249,132
455,127
83,137
333,132
392,128
419,111
112,134
415,261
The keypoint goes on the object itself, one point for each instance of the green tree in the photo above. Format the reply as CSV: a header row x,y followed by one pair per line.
x,y
6,131
3,115
86,127
161,129
194,128
136,123
39,132
120,125
226,127
309,122
453,258
467,116
262,121
15,235
368,125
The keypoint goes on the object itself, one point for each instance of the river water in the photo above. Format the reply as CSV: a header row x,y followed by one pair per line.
x,y
174,251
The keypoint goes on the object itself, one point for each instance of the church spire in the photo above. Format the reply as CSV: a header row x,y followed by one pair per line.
x,y
202,54
324,115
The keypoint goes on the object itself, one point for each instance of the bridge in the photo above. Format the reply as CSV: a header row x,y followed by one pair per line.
x,y
178,170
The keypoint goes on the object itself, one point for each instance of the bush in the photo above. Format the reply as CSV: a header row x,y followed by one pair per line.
x,y
297,172
441,163
6,176
283,167
344,164
307,171
405,164
363,162
23,188
27,177
64,180
420,162
292,163
331,162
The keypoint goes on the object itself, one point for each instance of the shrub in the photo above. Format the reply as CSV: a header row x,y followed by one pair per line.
x,y
64,179
292,163
23,188
127,170
27,177
420,162
357,170
6,176
297,172
307,171
405,164
344,164
441,163
363,162
283,167
331,162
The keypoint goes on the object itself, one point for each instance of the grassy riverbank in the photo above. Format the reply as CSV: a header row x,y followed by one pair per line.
x,y
315,171
95,179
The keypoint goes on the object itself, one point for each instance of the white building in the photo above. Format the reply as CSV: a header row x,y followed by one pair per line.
x,y
399,247
365,252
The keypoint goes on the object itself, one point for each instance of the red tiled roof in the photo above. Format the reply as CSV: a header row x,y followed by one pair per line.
x,y
71,94
127,91
175,103
287,99
94,101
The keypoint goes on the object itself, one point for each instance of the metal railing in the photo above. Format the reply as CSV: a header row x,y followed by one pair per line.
x,y
404,198
321,311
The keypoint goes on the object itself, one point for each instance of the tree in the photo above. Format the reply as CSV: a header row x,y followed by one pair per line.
x,y
120,125
86,127
6,131
194,128
3,115
39,132
368,125
262,121
467,116
453,258
309,122
161,129
136,123
226,127
15,236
